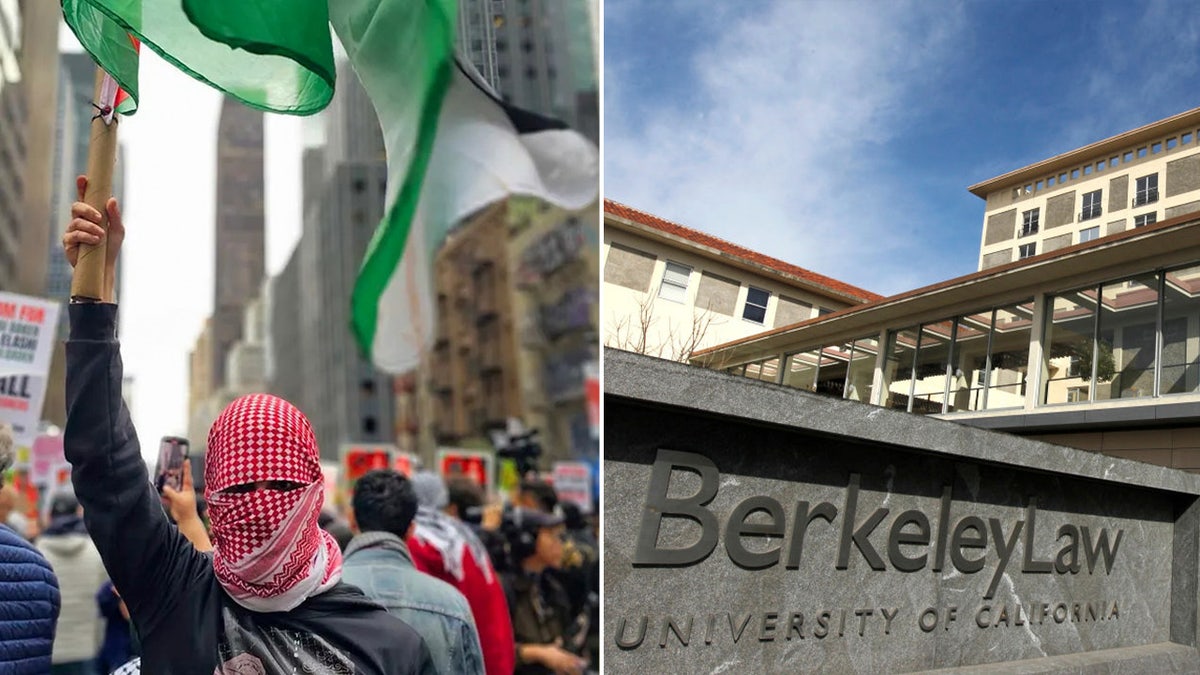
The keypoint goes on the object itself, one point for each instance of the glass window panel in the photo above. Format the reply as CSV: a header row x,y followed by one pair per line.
x,y
933,356
675,282
756,305
970,362
862,369
831,380
769,370
1181,332
1128,322
754,370
1070,329
1010,356
801,372
897,371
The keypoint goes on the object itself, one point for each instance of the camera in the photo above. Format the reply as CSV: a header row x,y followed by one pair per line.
x,y
518,444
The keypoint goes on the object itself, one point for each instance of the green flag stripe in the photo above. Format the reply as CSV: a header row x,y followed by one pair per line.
x,y
388,244
272,70
258,30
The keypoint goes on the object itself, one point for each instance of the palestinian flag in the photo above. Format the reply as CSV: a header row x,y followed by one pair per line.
x,y
114,99
453,147
274,55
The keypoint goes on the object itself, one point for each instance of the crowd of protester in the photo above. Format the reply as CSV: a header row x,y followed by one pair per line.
x,y
490,587
121,574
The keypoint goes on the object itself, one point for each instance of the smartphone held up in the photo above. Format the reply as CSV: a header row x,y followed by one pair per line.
x,y
172,453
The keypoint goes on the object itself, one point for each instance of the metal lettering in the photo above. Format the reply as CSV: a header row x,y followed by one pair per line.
x,y
659,505
899,538
738,528
959,541
1031,565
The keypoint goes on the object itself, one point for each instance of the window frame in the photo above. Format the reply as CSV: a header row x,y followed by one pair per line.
x,y
1094,228
1030,224
664,282
1145,193
1146,218
748,304
1092,205
1032,246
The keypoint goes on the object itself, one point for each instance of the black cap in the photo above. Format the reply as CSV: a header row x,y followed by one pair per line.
x,y
531,519
63,503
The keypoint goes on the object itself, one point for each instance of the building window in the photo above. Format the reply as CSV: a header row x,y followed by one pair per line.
x,y
1091,206
756,305
675,282
369,426
1145,219
1147,190
1029,222
1077,394
1089,234
1027,251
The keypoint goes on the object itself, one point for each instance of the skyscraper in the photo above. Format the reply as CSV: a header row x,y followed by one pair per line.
x,y
39,93
240,247
539,55
12,129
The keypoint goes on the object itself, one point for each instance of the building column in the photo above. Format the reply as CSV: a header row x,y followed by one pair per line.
x,y
1033,372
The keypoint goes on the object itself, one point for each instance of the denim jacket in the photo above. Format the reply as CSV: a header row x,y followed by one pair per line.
x,y
379,563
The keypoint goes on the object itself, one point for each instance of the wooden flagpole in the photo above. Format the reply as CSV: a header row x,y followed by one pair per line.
x,y
88,281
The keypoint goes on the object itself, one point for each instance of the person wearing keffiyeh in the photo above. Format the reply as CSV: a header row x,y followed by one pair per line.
x,y
268,599
446,548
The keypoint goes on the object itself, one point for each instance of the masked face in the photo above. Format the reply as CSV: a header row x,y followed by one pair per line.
x,y
264,488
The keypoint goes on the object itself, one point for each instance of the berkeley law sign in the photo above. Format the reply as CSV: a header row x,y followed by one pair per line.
x,y
968,546
848,538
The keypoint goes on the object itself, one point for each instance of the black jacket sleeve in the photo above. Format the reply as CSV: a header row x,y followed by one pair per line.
x,y
152,565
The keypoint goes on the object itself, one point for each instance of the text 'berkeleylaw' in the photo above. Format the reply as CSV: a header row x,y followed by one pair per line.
x,y
970,541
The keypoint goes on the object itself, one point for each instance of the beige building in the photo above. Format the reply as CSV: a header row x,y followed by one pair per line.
x,y
1092,342
1130,180
670,290
470,374
555,258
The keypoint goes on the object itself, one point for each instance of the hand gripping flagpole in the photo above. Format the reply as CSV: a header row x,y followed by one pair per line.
x,y
88,280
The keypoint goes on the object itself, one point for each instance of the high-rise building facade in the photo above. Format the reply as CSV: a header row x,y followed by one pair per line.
x,y
12,143
472,370
39,94
352,129
540,55
240,247
476,39
310,357
1130,180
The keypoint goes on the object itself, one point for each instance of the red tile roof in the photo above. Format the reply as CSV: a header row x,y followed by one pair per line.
x,y
668,227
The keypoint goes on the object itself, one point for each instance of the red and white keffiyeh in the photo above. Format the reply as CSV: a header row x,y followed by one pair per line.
x,y
269,553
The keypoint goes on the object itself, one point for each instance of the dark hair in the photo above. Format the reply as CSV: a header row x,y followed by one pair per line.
x,y
573,516
542,492
384,501
465,494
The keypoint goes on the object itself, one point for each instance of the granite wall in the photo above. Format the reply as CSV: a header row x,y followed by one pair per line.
x,y
754,528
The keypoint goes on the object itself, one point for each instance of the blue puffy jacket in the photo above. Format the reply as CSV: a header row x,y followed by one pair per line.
x,y
29,604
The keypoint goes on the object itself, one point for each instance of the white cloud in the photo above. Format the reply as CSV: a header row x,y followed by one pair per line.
x,y
783,145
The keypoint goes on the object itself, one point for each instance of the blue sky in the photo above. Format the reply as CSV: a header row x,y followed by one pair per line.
x,y
842,135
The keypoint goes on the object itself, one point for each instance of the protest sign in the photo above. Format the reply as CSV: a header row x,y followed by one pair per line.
x,y
358,459
46,455
479,466
405,463
28,327
573,483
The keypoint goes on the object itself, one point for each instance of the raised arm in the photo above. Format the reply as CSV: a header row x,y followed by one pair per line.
x,y
148,559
